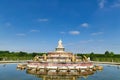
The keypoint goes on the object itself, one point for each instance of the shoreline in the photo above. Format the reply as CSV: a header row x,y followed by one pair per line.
x,y
111,63
20,61
95,62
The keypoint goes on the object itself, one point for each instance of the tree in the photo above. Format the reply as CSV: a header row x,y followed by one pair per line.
x,y
22,53
92,55
34,54
107,53
111,54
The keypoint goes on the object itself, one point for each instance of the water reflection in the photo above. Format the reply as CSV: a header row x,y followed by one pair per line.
x,y
62,75
4,65
118,67
9,72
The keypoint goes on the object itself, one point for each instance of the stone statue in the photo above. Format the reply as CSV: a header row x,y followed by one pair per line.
x,y
60,44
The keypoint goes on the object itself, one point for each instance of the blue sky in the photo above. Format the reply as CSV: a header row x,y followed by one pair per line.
x,y
37,25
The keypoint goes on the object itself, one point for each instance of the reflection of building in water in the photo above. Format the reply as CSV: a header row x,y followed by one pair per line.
x,y
60,63
60,75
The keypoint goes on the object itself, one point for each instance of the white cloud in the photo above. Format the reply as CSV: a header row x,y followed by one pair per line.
x,y
116,4
102,3
85,25
8,24
42,20
86,41
62,32
74,32
21,34
97,33
69,44
33,30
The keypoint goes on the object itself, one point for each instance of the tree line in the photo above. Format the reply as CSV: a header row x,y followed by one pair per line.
x,y
6,55
107,56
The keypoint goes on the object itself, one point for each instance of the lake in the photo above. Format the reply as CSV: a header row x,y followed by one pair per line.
x,y
10,72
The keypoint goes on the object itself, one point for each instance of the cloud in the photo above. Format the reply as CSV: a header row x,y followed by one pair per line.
x,y
102,3
86,41
62,32
74,32
85,25
42,20
7,24
91,40
97,33
33,30
69,44
116,4
21,34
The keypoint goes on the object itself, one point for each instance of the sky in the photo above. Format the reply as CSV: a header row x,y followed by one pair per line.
x,y
84,26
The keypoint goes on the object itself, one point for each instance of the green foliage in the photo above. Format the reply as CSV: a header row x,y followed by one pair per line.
x,y
92,56
107,53
22,53
6,55
107,56
111,54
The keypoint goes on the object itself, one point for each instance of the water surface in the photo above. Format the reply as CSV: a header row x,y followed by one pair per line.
x,y
9,72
